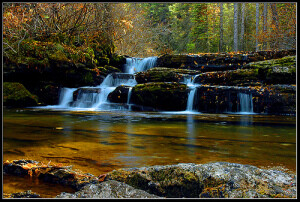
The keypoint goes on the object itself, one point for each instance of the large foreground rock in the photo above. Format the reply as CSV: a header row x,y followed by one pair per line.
x,y
185,180
108,189
212,180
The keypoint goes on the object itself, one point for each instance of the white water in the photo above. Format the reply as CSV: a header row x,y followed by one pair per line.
x,y
66,96
246,103
128,97
134,65
191,97
96,98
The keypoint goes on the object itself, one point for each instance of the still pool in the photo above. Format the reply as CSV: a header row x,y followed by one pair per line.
x,y
99,142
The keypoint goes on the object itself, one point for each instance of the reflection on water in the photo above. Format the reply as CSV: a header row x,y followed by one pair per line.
x,y
98,142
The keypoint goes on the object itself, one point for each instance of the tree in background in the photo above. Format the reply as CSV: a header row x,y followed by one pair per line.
x,y
147,29
235,24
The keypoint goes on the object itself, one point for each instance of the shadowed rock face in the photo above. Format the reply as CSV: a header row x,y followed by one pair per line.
x,y
108,189
161,96
213,180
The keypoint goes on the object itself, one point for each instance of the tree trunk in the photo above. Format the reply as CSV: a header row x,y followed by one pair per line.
x,y
242,27
235,33
257,26
221,28
275,22
265,44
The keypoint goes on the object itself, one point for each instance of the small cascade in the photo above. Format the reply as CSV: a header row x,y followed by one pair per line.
x,y
128,97
190,101
193,89
134,65
246,103
95,98
65,97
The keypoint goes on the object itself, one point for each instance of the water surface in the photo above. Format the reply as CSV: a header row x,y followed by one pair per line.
x,y
98,142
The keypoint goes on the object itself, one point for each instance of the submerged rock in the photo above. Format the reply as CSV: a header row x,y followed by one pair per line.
x,y
212,180
108,189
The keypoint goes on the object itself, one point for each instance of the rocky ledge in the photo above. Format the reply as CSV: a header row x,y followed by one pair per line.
x,y
184,180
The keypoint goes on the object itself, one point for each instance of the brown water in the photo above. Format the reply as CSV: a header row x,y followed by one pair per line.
x,y
99,142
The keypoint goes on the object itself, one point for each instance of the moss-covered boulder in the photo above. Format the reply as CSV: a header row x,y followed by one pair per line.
x,y
161,96
16,95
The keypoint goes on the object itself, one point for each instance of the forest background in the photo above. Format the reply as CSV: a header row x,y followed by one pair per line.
x,y
148,29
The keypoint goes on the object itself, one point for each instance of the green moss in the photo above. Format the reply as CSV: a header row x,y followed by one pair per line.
x,y
88,78
16,95
160,95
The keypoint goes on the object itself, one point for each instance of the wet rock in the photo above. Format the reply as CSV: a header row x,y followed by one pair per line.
x,y
119,95
160,96
108,189
271,99
212,180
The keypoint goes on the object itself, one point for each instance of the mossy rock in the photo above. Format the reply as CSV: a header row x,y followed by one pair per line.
x,y
107,69
16,95
276,71
157,75
169,181
161,96
240,77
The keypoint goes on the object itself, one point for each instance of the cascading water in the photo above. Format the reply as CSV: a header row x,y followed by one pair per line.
x,y
66,97
134,65
128,97
193,89
246,103
95,98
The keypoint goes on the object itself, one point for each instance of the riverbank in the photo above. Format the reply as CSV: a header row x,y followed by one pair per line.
x,y
183,180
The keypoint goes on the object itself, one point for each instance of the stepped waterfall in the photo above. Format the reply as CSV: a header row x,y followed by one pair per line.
x,y
95,98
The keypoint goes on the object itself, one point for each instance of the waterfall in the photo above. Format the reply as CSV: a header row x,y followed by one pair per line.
x,y
193,89
191,97
128,98
246,103
134,65
66,97
96,97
